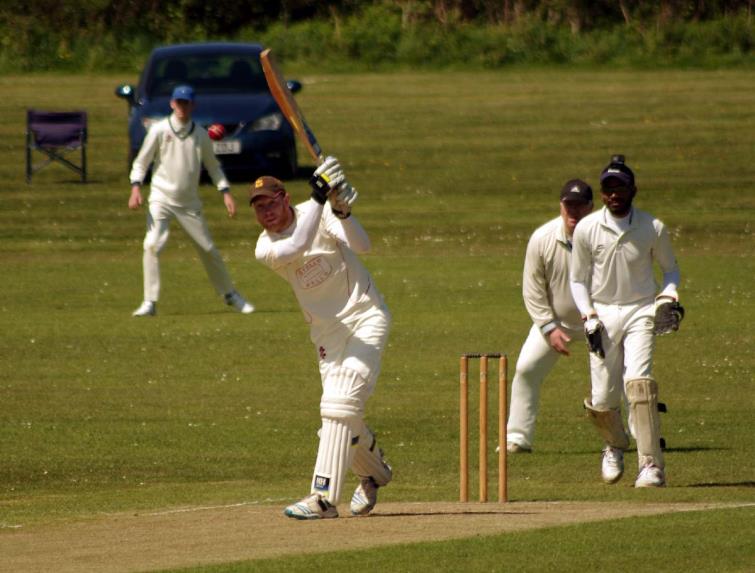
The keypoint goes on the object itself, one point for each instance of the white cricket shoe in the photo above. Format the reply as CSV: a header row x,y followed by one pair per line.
x,y
365,497
514,448
650,476
612,467
238,302
314,506
147,308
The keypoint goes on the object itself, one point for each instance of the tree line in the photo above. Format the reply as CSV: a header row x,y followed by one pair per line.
x,y
158,16
104,34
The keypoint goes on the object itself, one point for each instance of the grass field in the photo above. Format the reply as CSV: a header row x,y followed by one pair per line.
x,y
101,413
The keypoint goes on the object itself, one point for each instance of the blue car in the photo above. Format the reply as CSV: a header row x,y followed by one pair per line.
x,y
231,90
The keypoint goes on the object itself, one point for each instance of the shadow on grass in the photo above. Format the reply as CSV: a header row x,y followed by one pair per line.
x,y
686,449
434,513
679,450
723,484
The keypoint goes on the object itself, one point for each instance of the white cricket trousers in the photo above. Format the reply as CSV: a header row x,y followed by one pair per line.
x,y
536,360
628,343
159,216
350,358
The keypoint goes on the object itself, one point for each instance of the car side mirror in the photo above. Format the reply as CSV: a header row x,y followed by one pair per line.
x,y
294,86
126,92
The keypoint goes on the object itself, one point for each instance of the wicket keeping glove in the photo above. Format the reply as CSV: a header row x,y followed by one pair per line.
x,y
342,199
325,179
594,333
668,316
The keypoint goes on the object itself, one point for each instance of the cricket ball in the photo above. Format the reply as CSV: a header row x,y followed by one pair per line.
x,y
216,131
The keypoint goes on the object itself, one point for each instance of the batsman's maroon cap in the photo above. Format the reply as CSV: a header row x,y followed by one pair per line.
x,y
577,191
265,186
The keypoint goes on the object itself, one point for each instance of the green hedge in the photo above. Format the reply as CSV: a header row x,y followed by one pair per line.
x,y
376,39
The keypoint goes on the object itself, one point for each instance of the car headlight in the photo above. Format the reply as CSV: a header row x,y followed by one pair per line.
x,y
271,122
147,122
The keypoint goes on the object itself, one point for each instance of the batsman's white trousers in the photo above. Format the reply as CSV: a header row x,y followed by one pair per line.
x,y
350,356
159,216
536,360
628,343
356,343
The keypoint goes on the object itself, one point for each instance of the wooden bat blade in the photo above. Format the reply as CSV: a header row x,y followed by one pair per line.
x,y
288,106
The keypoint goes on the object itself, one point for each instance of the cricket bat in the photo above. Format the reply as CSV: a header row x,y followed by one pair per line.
x,y
288,106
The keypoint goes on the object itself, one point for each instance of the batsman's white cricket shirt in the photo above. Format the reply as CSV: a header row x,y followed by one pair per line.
x,y
617,266
545,281
330,282
177,152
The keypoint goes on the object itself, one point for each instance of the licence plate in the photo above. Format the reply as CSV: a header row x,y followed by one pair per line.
x,y
230,147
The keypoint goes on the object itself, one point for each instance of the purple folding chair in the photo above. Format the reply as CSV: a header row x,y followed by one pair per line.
x,y
54,134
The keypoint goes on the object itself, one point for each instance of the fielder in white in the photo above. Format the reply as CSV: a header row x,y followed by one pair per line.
x,y
314,247
555,317
177,147
614,287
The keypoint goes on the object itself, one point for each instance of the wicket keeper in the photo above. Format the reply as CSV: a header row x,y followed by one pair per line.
x,y
314,247
614,287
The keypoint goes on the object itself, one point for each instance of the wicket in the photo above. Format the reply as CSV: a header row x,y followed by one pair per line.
x,y
464,426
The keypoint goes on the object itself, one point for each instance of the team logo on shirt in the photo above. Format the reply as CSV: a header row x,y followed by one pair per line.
x,y
313,273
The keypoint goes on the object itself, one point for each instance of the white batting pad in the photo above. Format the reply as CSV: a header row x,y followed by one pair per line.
x,y
342,408
344,394
334,458
609,424
368,459
642,394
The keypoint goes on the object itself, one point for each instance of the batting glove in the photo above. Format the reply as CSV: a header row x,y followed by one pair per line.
x,y
325,179
342,199
594,334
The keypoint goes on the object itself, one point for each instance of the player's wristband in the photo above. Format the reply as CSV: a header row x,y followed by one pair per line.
x,y
225,190
547,328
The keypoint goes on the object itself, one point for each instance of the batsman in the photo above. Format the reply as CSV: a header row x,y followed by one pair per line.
x,y
613,285
314,247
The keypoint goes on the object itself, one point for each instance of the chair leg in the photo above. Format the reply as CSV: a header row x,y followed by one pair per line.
x,y
28,157
83,163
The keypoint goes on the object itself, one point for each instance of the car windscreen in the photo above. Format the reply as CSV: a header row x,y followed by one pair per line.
x,y
207,74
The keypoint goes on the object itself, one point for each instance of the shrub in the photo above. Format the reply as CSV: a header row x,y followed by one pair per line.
x,y
375,37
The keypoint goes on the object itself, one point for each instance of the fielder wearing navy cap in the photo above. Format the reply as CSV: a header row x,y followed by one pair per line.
x,y
617,169
577,191
185,93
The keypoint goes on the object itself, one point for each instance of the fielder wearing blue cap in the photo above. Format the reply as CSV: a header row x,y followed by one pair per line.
x,y
178,148
184,92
